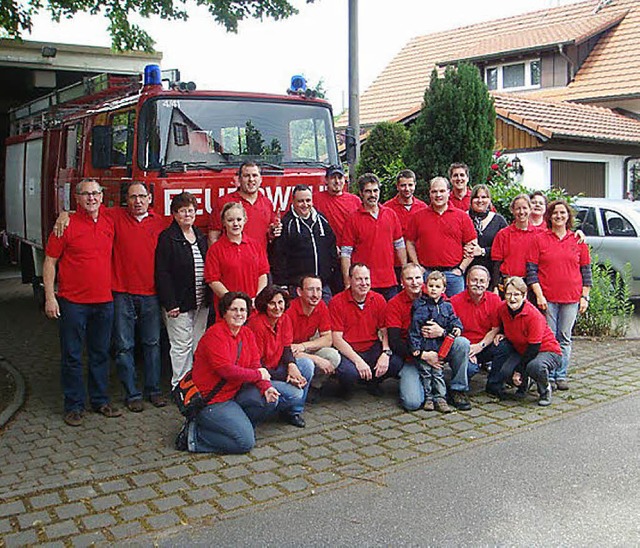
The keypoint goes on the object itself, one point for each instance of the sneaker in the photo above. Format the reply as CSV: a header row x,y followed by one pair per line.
x,y
135,406
442,406
158,400
74,418
429,405
109,411
296,420
182,439
459,400
562,384
545,397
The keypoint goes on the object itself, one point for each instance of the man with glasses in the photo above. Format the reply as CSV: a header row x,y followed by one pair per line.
x,y
83,304
136,305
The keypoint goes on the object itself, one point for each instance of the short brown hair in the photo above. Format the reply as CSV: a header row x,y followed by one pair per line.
x,y
366,179
183,199
552,206
264,297
458,165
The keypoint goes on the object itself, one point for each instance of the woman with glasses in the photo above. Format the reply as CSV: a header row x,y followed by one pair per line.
x,y
531,350
228,373
559,273
183,295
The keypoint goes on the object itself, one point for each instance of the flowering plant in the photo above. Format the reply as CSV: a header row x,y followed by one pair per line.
x,y
501,170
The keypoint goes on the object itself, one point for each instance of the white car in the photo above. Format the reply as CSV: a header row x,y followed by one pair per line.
x,y
612,228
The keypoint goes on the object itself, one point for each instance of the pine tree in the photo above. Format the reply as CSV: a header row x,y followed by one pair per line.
x,y
456,124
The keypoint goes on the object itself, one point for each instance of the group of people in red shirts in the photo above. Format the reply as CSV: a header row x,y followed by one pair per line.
x,y
275,338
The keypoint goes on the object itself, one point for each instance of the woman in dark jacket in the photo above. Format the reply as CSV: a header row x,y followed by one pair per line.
x,y
183,294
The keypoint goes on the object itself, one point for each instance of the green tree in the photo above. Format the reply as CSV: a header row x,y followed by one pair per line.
x,y
382,154
16,16
456,124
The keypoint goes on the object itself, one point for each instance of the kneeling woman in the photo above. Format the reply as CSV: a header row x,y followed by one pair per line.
x,y
274,334
227,363
532,349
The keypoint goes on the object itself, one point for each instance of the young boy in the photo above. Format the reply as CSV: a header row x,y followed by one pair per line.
x,y
431,308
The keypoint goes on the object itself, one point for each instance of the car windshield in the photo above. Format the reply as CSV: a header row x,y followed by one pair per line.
x,y
215,132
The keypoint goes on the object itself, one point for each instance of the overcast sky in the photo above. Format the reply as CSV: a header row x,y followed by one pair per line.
x,y
264,55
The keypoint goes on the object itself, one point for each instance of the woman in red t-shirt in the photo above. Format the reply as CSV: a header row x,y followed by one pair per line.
x,y
559,273
274,333
227,371
531,349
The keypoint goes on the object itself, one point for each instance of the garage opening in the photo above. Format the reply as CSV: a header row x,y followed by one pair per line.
x,y
587,178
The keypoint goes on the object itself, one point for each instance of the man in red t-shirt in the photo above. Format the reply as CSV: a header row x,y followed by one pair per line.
x,y
312,329
477,309
262,223
437,236
83,304
460,193
372,236
360,335
404,204
136,305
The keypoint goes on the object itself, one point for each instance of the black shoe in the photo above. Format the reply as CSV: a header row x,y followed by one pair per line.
x,y
459,400
182,439
296,420
314,395
497,392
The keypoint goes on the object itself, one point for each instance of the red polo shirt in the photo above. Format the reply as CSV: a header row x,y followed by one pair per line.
x,y
477,319
237,266
440,239
372,241
399,313
359,327
463,203
337,209
403,212
528,327
84,258
134,250
511,246
271,342
216,358
559,262
305,327
259,216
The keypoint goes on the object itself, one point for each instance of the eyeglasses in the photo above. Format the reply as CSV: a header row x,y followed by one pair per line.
x,y
136,196
513,295
186,211
86,194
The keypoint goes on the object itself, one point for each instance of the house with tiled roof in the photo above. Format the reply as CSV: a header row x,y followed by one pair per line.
x,y
566,84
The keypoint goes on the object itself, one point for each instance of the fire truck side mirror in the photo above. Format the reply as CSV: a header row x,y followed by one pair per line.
x,y
101,147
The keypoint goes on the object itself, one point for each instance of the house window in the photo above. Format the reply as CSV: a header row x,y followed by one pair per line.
x,y
514,76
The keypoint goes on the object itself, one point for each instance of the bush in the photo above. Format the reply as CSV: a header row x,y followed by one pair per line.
x,y
381,154
610,308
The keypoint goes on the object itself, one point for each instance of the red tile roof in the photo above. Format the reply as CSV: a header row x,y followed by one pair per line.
x,y
553,119
611,70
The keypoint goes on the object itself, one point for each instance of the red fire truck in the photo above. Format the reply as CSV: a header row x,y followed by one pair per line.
x,y
165,134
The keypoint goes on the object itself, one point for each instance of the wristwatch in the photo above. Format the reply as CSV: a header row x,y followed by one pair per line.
x,y
387,351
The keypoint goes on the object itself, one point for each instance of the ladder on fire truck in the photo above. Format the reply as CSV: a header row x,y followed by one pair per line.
x,y
49,110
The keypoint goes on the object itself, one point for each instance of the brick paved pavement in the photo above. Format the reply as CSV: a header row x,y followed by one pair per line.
x,y
118,479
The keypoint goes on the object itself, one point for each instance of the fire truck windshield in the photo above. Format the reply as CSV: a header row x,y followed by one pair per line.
x,y
216,132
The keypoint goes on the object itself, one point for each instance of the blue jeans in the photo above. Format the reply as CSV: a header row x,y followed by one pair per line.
x,y
143,312
77,323
432,381
387,292
412,394
560,318
228,427
292,398
348,375
455,283
539,369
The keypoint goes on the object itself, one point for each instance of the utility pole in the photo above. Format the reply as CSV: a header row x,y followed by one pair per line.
x,y
353,131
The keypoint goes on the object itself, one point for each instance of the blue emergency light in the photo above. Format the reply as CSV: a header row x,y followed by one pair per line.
x,y
152,75
298,84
